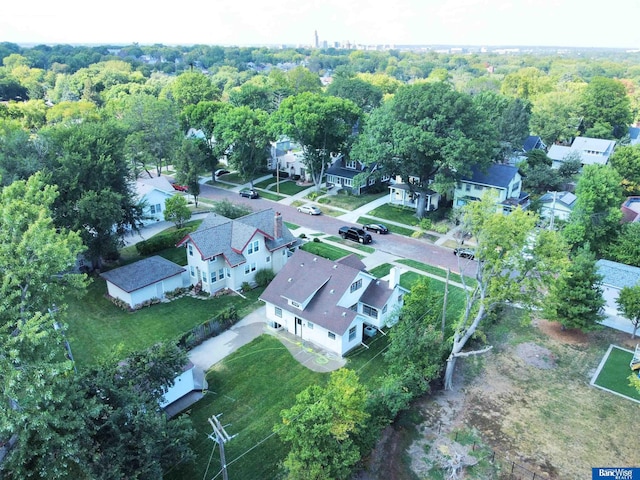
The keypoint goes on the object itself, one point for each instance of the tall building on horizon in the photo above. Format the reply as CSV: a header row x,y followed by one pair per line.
x,y
316,42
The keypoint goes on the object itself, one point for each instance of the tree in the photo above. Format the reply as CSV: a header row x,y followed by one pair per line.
x,y
301,79
626,248
526,83
605,101
321,124
596,216
176,210
503,273
575,298
320,427
555,116
38,410
626,161
429,132
243,134
365,95
189,163
190,88
513,127
628,302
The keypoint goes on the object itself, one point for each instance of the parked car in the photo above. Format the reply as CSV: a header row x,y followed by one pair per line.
x,y
220,172
465,253
180,188
376,227
310,209
355,234
249,193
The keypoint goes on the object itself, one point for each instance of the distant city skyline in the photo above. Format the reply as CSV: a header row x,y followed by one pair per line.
x,y
562,23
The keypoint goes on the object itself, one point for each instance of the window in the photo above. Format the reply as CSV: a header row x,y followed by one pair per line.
x,y
284,252
295,304
278,312
467,187
250,267
228,272
221,274
331,335
346,182
191,250
310,325
477,187
356,285
268,259
372,181
384,309
516,186
213,277
352,164
192,271
152,209
352,333
157,208
354,307
253,247
399,298
204,276
372,312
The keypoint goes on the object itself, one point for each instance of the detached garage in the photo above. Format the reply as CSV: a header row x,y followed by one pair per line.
x,y
142,281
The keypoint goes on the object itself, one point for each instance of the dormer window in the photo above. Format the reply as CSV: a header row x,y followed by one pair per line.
x,y
356,285
351,164
253,247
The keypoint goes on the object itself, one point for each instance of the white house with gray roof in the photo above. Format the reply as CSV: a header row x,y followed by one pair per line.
x,y
330,303
225,253
590,151
153,192
616,276
144,280
504,180
557,204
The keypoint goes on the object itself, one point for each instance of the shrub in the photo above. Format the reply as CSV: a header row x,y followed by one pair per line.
x,y
441,228
161,241
245,287
425,224
230,210
316,240
313,195
302,235
264,277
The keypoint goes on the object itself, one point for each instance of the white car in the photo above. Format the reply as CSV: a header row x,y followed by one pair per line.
x,y
310,209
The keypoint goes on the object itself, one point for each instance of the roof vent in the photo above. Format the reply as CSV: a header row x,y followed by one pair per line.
x,y
344,314
302,264
332,291
315,259
290,280
335,266
377,282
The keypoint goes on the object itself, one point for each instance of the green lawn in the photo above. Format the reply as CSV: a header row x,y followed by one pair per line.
x,y
396,214
325,250
250,388
615,372
440,272
270,196
392,228
291,226
352,244
264,183
381,270
97,326
350,202
288,187
455,299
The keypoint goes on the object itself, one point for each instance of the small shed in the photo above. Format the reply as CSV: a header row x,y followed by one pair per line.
x,y
144,280
187,388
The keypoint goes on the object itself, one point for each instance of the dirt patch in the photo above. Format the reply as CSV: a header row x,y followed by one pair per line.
x,y
535,355
554,331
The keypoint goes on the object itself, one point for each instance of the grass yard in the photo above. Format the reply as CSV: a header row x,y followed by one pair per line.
x,y
352,244
407,232
396,214
455,298
381,270
440,272
250,388
349,202
264,183
615,372
288,187
97,326
291,226
325,250
270,196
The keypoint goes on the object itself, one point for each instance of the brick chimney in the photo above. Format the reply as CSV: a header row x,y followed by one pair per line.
x,y
277,226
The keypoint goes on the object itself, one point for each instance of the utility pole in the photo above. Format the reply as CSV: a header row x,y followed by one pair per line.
x,y
553,210
221,437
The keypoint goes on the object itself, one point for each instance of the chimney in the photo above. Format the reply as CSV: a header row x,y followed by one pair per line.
x,y
394,277
277,226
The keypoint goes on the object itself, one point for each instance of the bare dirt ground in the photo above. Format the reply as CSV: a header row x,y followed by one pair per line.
x,y
530,401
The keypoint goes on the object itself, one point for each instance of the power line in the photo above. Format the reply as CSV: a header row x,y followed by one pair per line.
x,y
208,464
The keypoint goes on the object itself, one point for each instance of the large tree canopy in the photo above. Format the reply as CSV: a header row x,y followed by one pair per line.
x,y
430,132
605,102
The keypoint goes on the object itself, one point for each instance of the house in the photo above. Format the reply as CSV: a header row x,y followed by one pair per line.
x,y
616,276
400,194
332,304
634,135
533,142
154,192
187,388
225,253
145,280
343,170
589,150
505,180
557,204
631,209
288,157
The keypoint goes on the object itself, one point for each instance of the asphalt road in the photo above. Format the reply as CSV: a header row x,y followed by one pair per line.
x,y
398,245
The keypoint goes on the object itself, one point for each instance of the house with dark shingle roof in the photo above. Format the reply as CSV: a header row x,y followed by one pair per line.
x,y
343,171
144,280
330,303
505,180
225,253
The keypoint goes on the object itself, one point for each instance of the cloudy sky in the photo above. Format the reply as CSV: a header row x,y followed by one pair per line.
x,y
584,23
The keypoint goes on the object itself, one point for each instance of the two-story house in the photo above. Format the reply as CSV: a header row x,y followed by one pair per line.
x,y
343,171
589,150
153,192
401,193
225,253
332,304
505,180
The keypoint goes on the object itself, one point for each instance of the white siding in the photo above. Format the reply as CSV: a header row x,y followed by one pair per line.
x,y
183,384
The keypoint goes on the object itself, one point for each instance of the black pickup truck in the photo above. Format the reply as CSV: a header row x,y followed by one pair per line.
x,y
355,234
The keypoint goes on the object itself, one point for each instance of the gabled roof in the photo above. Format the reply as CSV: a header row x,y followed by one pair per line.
x,y
496,175
533,142
377,294
306,273
218,235
142,273
146,185
567,199
591,150
617,274
634,135
338,168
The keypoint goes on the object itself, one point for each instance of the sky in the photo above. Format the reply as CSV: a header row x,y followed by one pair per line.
x,y
569,23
